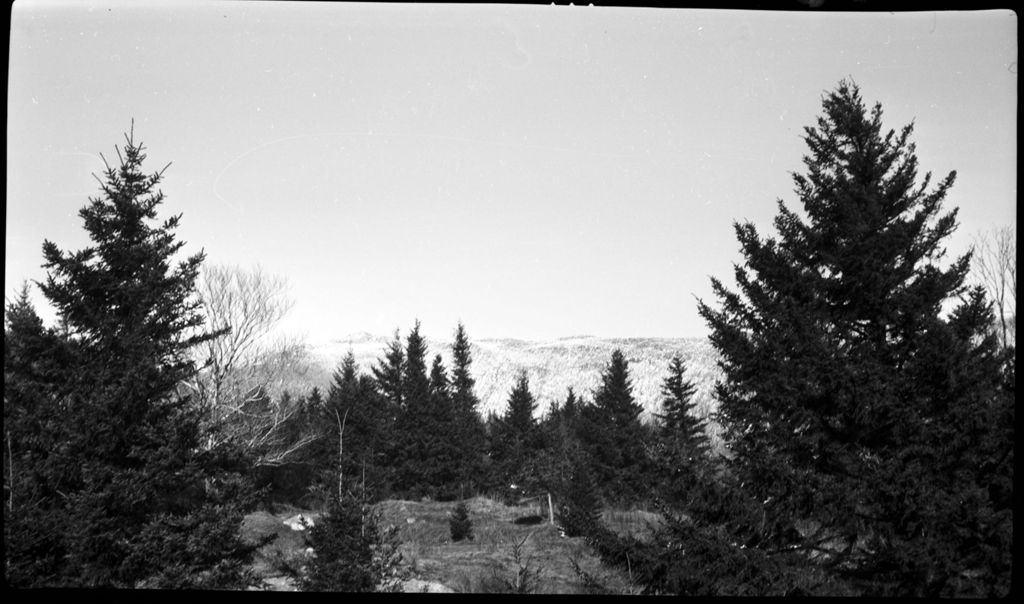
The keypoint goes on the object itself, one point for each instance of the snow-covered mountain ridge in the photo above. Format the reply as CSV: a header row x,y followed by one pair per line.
x,y
552,366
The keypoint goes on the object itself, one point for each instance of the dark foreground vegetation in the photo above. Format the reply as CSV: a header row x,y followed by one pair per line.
x,y
866,408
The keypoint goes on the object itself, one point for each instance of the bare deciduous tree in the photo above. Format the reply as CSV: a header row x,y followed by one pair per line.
x,y
995,268
245,370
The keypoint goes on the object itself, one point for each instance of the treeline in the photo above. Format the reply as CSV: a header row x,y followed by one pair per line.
x,y
402,431
868,423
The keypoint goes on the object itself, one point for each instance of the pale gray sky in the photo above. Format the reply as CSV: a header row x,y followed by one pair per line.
x,y
535,171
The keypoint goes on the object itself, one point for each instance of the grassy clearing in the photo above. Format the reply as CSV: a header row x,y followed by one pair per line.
x,y
503,554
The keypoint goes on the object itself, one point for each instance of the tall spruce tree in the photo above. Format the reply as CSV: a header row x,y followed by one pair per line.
x,y
562,456
369,425
857,414
389,371
415,379
427,457
681,426
36,365
613,434
135,497
516,436
684,444
471,438
438,384
677,405
579,508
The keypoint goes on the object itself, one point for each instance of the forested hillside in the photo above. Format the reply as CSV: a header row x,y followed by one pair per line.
x,y
556,365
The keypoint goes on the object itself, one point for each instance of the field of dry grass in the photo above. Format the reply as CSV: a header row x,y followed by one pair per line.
x,y
513,548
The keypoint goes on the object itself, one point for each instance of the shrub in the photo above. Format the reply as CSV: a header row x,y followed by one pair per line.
x,y
352,554
460,524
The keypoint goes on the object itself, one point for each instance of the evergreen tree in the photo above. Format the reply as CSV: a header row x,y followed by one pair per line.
x,y
462,379
135,497
471,438
579,512
347,373
570,409
519,416
613,434
459,523
684,445
389,371
677,405
427,454
857,415
515,440
36,360
353,554
368,418
415,381
439,388
559,444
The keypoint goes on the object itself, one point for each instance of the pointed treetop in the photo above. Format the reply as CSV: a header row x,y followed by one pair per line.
x,y
521,406
462,380
438,378
615,394
416,383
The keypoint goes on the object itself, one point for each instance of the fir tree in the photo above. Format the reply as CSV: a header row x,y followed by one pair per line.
x,y
677,414
136,497
519,417
685,432
389,371
462,379
459,523
415,381
516,436
427,455
352,552
36,365
570,409
684,442
369,427
471,438
439,388
347,373
851,405
579,513
614,436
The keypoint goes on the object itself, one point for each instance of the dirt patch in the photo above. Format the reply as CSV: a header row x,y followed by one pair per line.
x,y
279,560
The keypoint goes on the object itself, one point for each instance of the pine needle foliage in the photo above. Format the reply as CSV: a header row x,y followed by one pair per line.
x,y
861,418
460,524
471,437
516,437
131,495
352,552
427,456
613,434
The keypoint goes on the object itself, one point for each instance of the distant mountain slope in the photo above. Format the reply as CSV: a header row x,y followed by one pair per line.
x,y
553,366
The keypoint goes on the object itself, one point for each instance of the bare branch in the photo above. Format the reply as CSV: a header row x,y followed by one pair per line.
x,y
995,269
246,371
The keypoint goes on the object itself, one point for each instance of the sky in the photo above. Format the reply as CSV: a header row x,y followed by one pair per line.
x,y
532,171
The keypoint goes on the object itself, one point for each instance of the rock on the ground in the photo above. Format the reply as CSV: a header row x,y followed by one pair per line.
x,y
421,586
300,522
280,584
